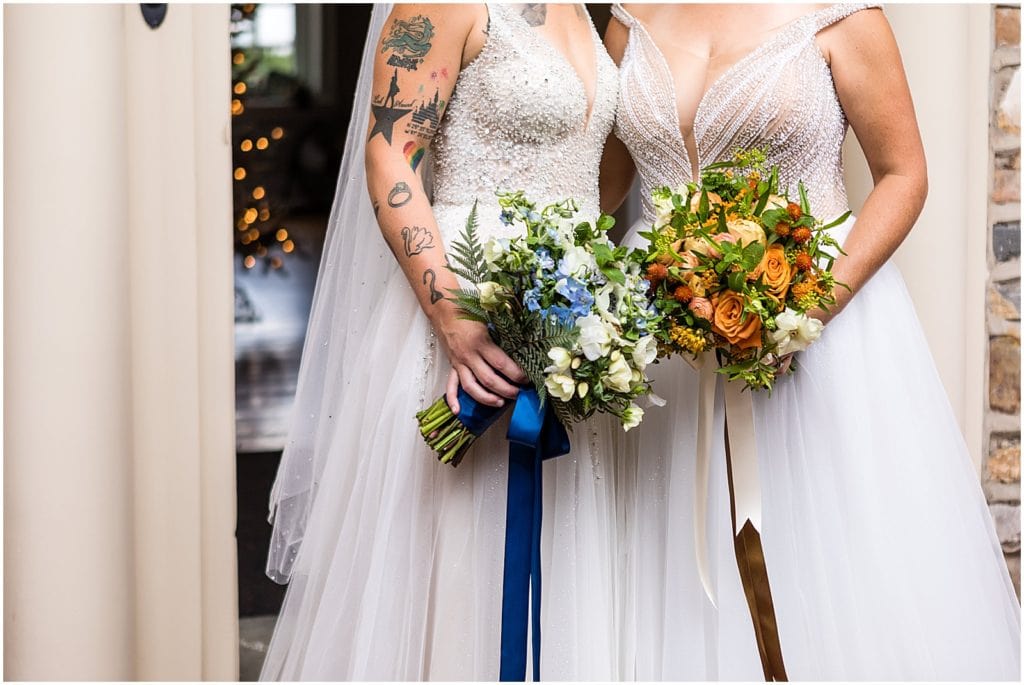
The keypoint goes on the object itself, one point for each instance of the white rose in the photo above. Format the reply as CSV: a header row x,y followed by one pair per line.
x,y
644,352
662,210
595,340
632,416
560,385
490,294
561,358
810,329
619,374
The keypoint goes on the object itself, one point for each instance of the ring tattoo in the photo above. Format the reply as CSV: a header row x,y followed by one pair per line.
x,y
399,195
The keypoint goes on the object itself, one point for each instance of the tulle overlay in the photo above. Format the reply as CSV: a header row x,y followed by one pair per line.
x,y
400,578
881,552
395,560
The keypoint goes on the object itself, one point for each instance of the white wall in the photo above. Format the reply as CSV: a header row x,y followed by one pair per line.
x,y
946,51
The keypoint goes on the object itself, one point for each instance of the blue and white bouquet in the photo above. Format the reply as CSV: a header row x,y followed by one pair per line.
x,y
567,305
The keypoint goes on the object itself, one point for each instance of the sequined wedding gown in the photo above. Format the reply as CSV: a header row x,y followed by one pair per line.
x,y
399,576
880,549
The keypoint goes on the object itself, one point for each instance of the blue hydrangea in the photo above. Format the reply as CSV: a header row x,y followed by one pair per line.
x,y
531,298
580,299
562,315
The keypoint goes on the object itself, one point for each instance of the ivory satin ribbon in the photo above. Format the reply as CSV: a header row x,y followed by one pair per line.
x,y
745,500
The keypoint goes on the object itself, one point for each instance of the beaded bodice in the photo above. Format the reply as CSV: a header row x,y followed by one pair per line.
x,y
518,120
780,96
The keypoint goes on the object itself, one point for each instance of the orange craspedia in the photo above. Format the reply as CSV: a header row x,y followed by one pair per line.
x,y
801,234
803,261
794,211
683,294
656,273
782,229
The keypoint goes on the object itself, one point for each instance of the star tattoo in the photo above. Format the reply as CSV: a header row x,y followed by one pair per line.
x,y
385,119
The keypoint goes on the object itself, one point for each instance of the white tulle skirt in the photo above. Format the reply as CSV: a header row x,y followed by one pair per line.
x,y
882,556
399,576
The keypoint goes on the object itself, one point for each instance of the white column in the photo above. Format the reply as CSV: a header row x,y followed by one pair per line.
x,y
68,531
119,476
945,52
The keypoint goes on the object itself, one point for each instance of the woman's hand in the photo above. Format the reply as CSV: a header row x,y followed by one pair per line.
x,y
477,363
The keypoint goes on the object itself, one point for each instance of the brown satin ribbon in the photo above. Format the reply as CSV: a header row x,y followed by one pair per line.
x,y
754,576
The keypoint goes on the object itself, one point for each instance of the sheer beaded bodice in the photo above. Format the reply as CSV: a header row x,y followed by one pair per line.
x,y
520,119
780,96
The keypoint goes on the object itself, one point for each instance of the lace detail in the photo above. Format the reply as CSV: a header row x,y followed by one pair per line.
x,y
780,95
520,119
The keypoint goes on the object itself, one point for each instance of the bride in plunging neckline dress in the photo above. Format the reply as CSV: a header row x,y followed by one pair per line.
x,y
881,552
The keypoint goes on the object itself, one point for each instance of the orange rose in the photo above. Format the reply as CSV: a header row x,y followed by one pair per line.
x,y
702,307
740,328
713,199
776,271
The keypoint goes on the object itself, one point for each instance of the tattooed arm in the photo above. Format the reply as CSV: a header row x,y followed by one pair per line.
x,y
422,50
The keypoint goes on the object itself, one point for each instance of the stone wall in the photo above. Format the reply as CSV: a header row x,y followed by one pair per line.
x,y
1001,476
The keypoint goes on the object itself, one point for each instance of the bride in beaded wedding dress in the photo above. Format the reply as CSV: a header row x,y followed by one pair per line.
x,y
882,556
394,561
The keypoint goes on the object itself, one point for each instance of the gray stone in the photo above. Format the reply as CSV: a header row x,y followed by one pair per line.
x,y
1007,520
1006,240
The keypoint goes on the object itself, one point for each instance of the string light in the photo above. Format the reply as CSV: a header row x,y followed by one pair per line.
x,y
281,235
240,88
264,214
277,133
238,58
240,173
250,216
246,145
237,107
258,192
287,246
262,143
249,262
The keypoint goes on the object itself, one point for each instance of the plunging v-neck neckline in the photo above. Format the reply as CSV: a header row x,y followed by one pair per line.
x,y
695,164
591,98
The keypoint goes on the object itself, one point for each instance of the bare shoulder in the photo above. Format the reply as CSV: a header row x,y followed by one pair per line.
x,y
860,32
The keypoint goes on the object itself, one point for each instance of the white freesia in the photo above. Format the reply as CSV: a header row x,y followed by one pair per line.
x,y
644,351
490,294
576,259
794,331
632,416
560,385
493,250
619,374
595,339
562,360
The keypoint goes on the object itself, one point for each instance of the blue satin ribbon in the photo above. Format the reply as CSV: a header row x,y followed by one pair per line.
x,y
534,434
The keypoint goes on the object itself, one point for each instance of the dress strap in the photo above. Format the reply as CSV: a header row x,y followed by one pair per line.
x,y
829,15
620,13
